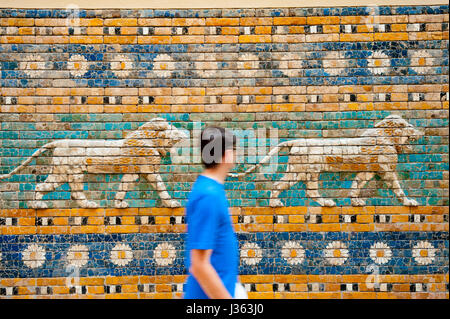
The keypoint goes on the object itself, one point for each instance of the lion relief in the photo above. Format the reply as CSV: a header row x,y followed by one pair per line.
x,y
374,152
138,154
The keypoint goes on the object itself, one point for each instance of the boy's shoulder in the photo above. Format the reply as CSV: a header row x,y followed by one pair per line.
x,y
205,189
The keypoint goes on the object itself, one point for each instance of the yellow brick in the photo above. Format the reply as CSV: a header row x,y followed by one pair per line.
x,y
23,230
91,281
61,290
53,230
324,227
299,287
120,22
290,227
264,219
230,30
391,36
188,21
26,221
109,280
122,39
257,228
260,295
263,30
188,39
356,20
247,38
344,37
290,295
324,295
297,219
220,39
322,37
17,22
122,229
295,107
255,21
86,39
322,20
399,218
87,229
221,21
264,287
289,20
359,295
154,39
362,219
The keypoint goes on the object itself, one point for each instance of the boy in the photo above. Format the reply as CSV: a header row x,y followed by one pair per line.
x,y
212,249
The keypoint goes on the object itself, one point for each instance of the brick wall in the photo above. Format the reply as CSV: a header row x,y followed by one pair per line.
x,y
306,73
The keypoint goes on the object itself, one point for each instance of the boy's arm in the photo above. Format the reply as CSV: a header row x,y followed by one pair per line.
x,y
206,275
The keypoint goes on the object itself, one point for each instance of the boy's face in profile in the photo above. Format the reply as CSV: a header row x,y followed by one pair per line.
x,y
229,158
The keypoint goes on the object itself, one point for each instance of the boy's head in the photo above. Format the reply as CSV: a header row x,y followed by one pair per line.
x,y
218,147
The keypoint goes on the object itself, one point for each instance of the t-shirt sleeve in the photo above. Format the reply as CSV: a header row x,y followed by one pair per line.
x,y
203,223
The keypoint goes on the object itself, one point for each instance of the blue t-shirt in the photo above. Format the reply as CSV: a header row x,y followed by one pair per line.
x,y
209,226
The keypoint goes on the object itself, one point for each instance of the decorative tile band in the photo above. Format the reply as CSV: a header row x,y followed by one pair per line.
x,y
245,219
257,286
229,12
260,253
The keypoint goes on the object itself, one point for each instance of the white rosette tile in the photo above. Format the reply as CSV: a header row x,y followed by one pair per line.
x,y
424,253
293,252
163,65
164,254
121,65
380,253
421,61
77,65
247,64
33,256
290,64
336,253
78,255
333,64
121,255
379,63
251,253
33,65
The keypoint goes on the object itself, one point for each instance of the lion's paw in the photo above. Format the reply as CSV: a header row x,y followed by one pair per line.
x,y
120,204
410,202
326,202
88,204
358,202
275,203
38,205
173,203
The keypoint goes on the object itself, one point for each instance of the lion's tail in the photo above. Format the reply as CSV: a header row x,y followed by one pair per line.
x,y
29,159
273,151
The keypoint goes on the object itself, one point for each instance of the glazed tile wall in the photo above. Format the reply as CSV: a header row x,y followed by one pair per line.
x,y
307,72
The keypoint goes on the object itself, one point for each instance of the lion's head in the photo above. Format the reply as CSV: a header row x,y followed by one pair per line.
x,y
158,134
393,130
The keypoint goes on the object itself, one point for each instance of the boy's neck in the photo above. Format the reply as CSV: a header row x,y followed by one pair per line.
x,y
218,173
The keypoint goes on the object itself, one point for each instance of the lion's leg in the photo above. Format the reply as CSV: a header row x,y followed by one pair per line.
x,y
285,182
49,185
160,187
312,190
391,179
76,185
127,183
361,179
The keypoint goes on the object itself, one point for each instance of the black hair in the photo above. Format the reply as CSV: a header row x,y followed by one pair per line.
x,y
214,141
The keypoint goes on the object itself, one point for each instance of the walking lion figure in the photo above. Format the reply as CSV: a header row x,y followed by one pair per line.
x,y
374,152
138,154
